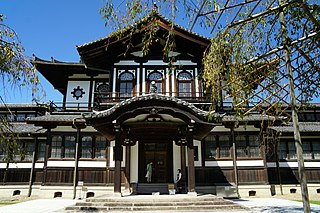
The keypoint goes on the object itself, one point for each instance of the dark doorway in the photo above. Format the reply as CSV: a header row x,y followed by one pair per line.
x,y
160,154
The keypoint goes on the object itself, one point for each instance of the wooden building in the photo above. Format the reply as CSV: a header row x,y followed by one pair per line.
x,y
122,109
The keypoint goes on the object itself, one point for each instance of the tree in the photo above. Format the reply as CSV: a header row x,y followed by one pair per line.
x,y
16,71
264,55
15,67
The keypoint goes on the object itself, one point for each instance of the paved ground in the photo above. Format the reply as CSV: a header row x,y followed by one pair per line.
x,y
261,205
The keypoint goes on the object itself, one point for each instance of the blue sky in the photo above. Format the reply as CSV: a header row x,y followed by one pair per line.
x,y
52,29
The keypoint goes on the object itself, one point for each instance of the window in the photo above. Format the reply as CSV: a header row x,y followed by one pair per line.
x,y
41,150
126,84
316,150
254,143
56,147
311,150
100,147
211,147
86,149
2,153
241,144
282,150
292,150
224,146
21,117
306,147
184,84
157,78
69,151
29,148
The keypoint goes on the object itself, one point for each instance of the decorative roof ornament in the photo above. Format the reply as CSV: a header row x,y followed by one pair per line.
x,y
155,7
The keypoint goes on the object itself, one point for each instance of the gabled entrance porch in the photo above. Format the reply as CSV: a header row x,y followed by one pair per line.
x,y
153,122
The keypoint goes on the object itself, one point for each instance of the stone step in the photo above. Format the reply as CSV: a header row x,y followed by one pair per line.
x,y
153,203
156,203
156,208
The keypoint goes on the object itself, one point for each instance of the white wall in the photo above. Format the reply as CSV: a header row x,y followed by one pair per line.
x,y
134,165
85,86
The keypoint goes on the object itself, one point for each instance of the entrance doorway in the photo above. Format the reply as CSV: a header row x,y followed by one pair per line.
x,y
160,154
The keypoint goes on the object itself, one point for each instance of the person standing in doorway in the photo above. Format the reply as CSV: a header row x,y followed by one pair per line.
x,y
179,181
149,172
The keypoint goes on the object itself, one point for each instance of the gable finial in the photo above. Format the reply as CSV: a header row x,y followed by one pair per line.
x,y
155,7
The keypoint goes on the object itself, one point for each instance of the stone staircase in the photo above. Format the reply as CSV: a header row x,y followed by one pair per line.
x,y
158,203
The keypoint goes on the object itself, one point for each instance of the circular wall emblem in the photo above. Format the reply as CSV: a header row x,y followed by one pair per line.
x,y
78,92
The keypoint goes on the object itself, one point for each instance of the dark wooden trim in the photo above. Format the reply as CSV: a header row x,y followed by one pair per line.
x,y
191,170
117,152
127,167
46,157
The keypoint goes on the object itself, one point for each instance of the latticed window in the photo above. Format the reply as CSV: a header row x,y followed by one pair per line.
x,y
86,149
157,78
254,143
224,146
29,148
211,147
41,150
306,147
282,150
292,154
56,147
241,144
184,84
126,84
69,150
100,147
316,149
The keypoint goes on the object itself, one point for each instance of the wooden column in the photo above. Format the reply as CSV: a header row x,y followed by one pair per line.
x,y
117,169
127,168
46,157
76,164
183,163
191,172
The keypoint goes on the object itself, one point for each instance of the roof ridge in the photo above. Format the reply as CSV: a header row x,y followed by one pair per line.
x,y
151,14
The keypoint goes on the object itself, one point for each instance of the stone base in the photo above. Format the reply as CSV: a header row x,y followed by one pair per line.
x,y
194,194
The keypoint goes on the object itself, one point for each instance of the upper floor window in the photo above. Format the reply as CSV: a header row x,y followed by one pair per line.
x,y
157,78
184,84
126,84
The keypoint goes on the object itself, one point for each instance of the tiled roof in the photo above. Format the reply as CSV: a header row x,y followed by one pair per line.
x,y
247,118
303,127
56,118
10,106
160,97
150,15
23,128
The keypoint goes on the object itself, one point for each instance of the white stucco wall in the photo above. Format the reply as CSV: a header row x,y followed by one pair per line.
x,y
82,101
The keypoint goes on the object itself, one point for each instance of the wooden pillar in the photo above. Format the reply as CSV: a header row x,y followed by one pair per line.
x,y
117,169
191,172
46,157
127,168
76,164
183,163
